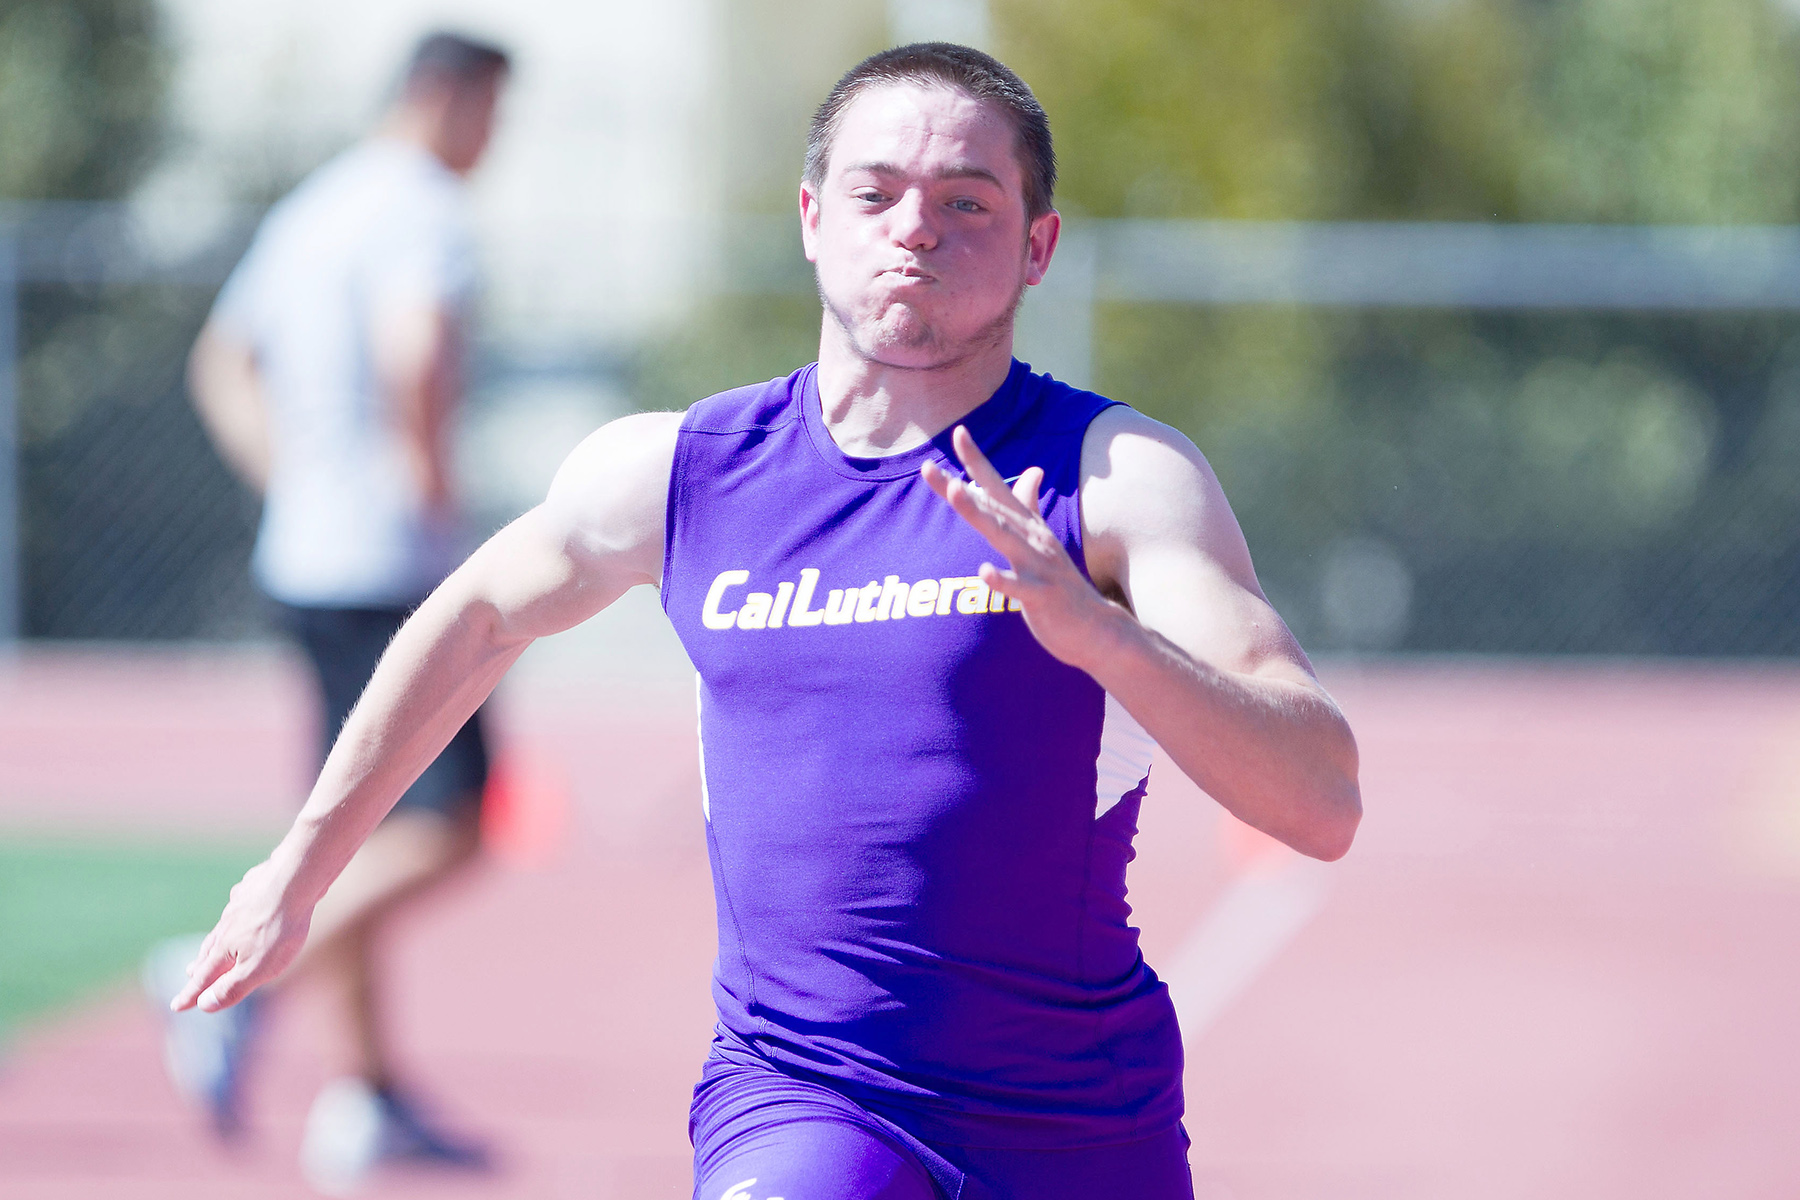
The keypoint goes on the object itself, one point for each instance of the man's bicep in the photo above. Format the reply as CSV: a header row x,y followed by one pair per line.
x,y
597,534
531,581
1192,600
1168,540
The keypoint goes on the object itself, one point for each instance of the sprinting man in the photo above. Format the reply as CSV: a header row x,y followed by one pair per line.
x,y
940,607
328,375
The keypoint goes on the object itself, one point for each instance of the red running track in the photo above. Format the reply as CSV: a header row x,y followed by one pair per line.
x,y
1560,961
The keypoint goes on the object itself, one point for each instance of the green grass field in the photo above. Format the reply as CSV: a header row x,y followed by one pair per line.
x,y
77,914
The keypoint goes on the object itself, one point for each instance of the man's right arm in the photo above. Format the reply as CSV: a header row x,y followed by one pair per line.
x,y
597,534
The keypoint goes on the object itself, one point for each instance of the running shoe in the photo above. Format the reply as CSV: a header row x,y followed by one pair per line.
x,y
354,1127
342,1142
203,1052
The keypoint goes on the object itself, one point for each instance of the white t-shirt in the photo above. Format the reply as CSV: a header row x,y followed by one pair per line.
x,y
382,226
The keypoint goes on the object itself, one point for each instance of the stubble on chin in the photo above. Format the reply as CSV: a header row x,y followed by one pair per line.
x,y
899,331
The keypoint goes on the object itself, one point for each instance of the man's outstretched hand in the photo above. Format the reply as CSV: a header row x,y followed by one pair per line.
x,y
258,936
1066,614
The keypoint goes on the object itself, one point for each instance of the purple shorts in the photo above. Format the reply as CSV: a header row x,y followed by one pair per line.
x,y
760,1134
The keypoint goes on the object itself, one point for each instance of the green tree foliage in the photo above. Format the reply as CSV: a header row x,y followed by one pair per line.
x,y
81,96
1662,112
1170,108
1582,110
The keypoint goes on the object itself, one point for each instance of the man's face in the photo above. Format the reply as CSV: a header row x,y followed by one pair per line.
x,y
466,121
919,231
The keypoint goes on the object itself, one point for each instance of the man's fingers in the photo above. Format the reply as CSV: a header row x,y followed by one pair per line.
x,y
205,969
998,525
1007,583
977,465
987,478
1025,489
960,496
206,948
231,987
1002,515
936,478
973,460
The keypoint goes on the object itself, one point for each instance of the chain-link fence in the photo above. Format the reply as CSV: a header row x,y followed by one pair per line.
x,y
1528,482
1416,469
129,527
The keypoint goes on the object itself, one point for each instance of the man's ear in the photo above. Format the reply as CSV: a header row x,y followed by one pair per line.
x,y
809,221
1040,245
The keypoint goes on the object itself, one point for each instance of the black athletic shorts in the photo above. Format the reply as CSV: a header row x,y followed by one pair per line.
x,y
343,645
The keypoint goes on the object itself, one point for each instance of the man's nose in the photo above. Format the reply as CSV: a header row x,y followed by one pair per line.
x,y
912,226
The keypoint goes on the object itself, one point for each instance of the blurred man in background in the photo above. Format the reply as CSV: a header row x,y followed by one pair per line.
x,y
328,376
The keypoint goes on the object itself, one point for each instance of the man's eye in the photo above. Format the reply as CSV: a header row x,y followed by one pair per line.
x,y
968,206
870,197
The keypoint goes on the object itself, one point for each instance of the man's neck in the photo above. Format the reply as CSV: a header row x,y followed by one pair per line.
x,y
873,410
411,128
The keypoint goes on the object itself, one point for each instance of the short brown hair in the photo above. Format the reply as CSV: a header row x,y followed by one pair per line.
x,y
979,75
451,58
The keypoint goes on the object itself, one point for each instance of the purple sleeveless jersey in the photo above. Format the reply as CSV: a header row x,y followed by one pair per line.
x,y
919,821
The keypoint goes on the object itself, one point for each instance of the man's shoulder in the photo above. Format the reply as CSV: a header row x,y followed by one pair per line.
x,y
1119,420
756,406
1135,470
1060,407
623,464
371,185
607,502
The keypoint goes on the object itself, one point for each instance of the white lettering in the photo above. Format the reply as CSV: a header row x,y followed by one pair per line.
x,y
973,598
889,600
739,1191
809,579
921,601
893,599
784,592
865,601
840,606
755,613
710,616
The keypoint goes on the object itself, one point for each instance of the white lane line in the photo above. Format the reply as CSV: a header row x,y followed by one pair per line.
x,y
1240,936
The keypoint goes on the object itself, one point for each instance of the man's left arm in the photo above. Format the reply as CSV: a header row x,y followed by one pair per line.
x,y
1174,625
226,387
